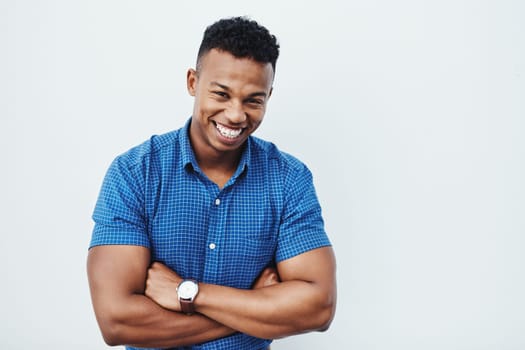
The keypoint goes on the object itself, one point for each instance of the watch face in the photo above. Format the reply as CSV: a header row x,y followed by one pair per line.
x,y
187,289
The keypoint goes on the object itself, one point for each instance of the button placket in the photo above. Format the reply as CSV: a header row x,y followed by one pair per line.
x,y
215,232
212,245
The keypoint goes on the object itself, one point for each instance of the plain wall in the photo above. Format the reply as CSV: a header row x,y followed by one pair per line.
x,y
409,113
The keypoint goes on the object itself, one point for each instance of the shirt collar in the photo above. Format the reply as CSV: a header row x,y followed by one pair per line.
x,y
188,155
245,160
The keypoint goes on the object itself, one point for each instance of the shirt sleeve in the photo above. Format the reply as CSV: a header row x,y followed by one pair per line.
x,y
302,225
119,213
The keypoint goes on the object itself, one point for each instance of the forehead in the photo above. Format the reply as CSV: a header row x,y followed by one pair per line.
x,y
223,66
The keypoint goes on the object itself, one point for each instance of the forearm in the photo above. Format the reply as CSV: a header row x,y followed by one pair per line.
x,y
277,311
303,301
142,323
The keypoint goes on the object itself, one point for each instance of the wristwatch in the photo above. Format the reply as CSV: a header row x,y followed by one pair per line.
x,y
187,291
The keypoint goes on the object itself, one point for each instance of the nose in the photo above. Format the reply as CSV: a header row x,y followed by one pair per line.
x,y
235,113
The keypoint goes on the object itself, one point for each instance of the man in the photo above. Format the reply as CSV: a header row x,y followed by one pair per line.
x,y
207,237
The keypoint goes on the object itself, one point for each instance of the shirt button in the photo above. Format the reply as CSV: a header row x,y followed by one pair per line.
x,y
217,201
212,246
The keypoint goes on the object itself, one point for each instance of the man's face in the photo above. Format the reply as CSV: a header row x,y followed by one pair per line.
x,y
230,100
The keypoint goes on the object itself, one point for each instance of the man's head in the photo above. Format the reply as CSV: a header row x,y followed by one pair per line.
x,y
231,85
241,37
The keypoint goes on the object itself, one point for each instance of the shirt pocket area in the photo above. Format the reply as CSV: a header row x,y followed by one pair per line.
x,y
245,257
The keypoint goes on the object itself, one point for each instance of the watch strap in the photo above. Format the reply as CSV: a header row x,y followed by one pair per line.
x,y
187,306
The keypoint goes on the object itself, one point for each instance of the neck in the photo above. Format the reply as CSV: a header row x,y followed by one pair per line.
x,y
219,169
224,161
218,166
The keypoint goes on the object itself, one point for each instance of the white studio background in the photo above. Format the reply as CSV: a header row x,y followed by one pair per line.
x,y
409,113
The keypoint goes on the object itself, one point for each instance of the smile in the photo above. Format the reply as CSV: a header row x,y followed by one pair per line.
x,y
227,132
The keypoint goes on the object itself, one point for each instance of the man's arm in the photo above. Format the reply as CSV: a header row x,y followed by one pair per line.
x,y
304,300
117,275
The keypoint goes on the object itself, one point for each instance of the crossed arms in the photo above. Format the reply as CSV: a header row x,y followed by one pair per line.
x,y
136,302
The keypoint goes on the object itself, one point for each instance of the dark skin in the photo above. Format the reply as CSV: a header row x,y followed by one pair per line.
x,y
135,302
117,276
300,302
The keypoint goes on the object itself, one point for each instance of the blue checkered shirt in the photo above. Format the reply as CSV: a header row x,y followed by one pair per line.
x,y
156,196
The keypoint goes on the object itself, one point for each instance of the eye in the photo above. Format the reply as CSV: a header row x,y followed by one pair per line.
x,y
221,94
255,101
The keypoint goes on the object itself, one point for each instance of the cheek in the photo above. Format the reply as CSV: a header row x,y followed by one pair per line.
x,y
260,114
207,106
257,119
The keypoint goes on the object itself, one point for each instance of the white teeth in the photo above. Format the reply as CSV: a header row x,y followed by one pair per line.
x,y
227,132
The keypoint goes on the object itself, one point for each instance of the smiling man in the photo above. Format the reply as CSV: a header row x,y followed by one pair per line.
x,y
208,237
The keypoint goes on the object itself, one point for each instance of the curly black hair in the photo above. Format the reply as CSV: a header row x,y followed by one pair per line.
x,y
243,38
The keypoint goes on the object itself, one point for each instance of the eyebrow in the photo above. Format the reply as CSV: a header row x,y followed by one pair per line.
x,y
226,88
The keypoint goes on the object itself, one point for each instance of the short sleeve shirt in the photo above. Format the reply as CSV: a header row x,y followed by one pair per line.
x,y
156,196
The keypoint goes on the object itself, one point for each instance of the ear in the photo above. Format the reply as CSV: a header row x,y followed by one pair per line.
x,y
270,93
191,81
